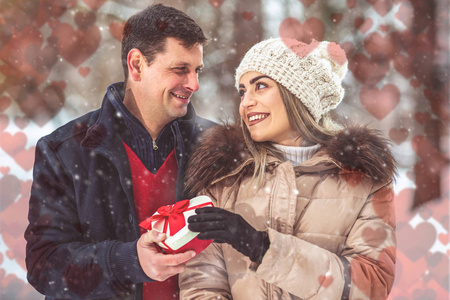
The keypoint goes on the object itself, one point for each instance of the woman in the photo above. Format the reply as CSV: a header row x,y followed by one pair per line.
x,y
304,207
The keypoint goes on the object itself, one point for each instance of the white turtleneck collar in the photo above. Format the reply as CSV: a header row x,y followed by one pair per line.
x,y
296,155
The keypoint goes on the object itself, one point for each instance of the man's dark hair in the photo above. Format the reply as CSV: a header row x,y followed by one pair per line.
x,y
149,29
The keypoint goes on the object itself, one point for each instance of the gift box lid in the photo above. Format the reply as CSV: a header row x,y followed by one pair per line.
x,y
172,220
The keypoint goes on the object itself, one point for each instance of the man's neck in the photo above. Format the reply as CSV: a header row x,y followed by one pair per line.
x,y
152,123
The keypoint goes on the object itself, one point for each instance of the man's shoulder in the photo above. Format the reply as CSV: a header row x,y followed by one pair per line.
x,y
204,123
74,129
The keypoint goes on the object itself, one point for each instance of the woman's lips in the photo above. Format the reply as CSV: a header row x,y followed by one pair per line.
x,y
255,118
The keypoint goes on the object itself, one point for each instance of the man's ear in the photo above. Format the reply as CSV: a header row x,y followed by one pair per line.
x,y
135,61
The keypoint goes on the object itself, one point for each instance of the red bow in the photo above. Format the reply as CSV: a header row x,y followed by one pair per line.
x,y
173,214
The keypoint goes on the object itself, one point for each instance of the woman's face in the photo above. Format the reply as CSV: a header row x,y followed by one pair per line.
x,y
263,110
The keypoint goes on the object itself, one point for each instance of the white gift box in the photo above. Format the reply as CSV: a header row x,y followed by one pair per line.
x,y
172,220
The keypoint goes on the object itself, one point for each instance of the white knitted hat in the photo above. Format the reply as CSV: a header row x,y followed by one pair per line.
x,y
312,72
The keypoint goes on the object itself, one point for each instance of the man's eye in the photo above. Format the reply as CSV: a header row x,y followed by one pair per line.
x,y
199,70
180,69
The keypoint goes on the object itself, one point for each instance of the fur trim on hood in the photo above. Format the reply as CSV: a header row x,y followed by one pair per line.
x,y
223,150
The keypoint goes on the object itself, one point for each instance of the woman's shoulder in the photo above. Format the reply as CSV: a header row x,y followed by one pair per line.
x,y
221,152
365,150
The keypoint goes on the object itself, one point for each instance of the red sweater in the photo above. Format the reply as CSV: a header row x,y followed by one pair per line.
x,y
150,192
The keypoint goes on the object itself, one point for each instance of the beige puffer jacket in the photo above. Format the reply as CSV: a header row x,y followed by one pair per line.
x,y
330,221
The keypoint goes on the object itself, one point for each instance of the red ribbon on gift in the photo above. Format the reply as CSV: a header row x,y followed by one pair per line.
x,y
173,215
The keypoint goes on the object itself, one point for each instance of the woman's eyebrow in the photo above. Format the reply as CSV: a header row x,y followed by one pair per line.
x,y
254,80
258,78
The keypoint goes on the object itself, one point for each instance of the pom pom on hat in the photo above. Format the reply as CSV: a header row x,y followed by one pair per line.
x,y
312,72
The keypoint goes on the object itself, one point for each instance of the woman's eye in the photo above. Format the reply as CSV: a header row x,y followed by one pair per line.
x,y
241,93
260,85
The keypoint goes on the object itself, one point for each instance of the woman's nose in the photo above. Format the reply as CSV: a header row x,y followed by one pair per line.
x,y
248,100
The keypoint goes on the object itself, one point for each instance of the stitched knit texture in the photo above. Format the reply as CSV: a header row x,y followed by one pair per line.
x,y
296,155
312,72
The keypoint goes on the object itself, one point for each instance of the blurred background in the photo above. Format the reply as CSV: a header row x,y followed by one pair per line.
x,y
57,58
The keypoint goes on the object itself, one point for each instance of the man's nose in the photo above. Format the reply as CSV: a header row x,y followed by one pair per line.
x,y
192,83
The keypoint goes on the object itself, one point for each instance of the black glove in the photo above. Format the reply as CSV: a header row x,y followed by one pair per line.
x,y
223,226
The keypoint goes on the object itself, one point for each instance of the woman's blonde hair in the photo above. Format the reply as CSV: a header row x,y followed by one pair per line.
x,y
300,120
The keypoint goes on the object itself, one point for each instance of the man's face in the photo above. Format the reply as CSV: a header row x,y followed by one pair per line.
x,y
169,81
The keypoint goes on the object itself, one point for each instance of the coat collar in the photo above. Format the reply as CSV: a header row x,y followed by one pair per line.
x,y
108,128
223,153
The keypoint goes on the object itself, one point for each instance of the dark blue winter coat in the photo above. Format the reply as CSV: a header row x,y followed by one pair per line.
x,y
83,228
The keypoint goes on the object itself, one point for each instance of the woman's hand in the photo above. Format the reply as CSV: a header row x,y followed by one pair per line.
x,y
223,226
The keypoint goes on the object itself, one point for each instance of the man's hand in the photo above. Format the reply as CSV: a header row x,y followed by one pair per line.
x,y
156,265
223,226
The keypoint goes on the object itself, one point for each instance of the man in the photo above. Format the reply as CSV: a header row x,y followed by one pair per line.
x,y
97,177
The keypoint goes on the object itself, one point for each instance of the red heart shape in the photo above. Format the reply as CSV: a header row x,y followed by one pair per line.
x,y
16,66
369,71
382,7
398,135
422,117
403,65
41,107
76,46
363,25
380,102
13,144
25,158
424,237
291,28
425,212
351,3
42,60
116,28
438,266
403,40
21,122
248,15
376,44
85,20
404,13
84,71
408,272
374,237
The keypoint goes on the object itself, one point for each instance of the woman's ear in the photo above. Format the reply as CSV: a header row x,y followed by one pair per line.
x,y
135,61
